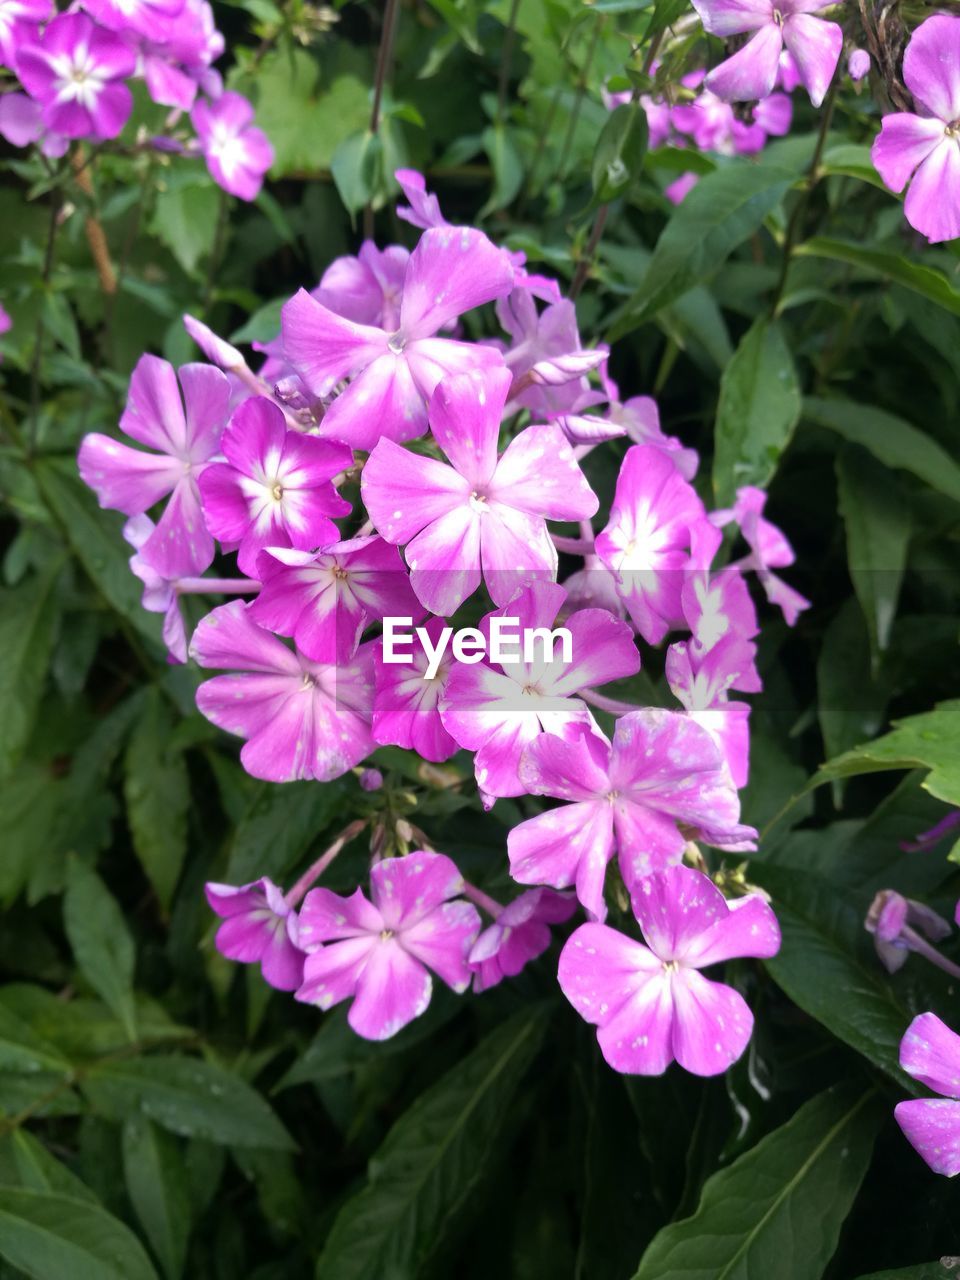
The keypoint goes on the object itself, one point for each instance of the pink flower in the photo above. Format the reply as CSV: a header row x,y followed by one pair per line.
x,y
6,324
424,209
640,419
237,153
481,513
520,933
394,372
651,1003
658,531
274,489
159,593
21,123
922,148
546,356
769,550
858,64
146,18
900,925
17,17
325,599
406,709
366,288
301,719
716,605
680,188
382,953
497,710
185,435
75,71
256,930
752,71
176,58
702,683
930,1052
659,783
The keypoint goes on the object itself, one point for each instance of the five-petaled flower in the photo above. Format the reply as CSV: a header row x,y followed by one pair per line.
x,y
930,1052
75,71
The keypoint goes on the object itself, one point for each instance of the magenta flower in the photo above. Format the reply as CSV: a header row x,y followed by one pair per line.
x,y
300,719
325,599
930,1052
75,71
237,154
769,550
922,148
520,932
702,682
423,210
752,71
546,356
256,930
6,324
147,18
716,605
406,709
639,419
18,18
176,59
927,839
367,288
21,123
159,593
496,710
658,531
394,372
382,953
900,925
660,783
481,513
651,1003
186,435
274,489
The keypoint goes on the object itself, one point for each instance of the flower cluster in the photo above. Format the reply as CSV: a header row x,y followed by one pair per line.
x,y
75,69
380,466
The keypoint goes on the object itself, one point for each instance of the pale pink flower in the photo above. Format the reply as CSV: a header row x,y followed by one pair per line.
x,y
256,930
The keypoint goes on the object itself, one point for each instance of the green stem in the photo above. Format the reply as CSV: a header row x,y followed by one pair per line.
x,y
384,58
506,56
578,101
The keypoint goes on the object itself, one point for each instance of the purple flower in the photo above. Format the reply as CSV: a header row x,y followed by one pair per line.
x,y
394,372
930,1052
159,593
631,797
176,58
406,709
640,419
772,24
858,64
651,1003
300,719
382,953
927,839
546,357
6,324
769,550
325,599
146,18
423,210
899,925
658,531
17,18
702,683
520,932
367,288
256,930
21,123
497,710
75,71
237,153
185,435
274,489
716,605
922,148
481,512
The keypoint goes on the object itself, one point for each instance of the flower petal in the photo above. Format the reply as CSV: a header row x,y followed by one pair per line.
x,y
404,492
324,347
932,205
752,72
673,907
465,413
452,270
407,889
930,1052
442,941
393,988
539,474
564,847
126,479
444,561
154,412
732,17
749,928
331,973
904,142
711,1023
932,1127
815,46
931,66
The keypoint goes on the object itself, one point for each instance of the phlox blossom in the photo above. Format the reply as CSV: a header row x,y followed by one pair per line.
x,y
520,933
238,154
930,1052
256,930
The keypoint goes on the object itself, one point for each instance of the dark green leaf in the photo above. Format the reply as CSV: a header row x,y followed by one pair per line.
x,y
156,1184
279,827
101,941
850,701
919,277
619,154
157,792
58,1237
507,168
28,623
37,1170
357,169
185,219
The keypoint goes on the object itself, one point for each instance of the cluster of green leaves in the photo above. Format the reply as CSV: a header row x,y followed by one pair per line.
x,y
163,1113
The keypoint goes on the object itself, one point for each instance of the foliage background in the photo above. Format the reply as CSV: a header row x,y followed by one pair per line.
x,y
164,1114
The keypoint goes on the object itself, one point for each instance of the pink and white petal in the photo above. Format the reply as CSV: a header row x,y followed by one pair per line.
x,y
515,550
603,649
712,1023
243,704
383,402
647,841
126,479
206,395
404,492
931,66
442,941
236,900
932,1127
331,973
244,938
816,46
444,561
477,702
327,917
180,546
752,72
539,474
465,413
729,726
601,971
497,761
284,747
733,17
749,928
324,347
407,889
930,1052
226,509
282,963
392,989
253,441
229,638
452,270
932,206
904,142
638,1039
661,753
154,412
565,847
574,768
673,907
432,359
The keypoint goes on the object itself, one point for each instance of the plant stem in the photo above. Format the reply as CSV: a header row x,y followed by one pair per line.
x,y
314,872
384,58
603,703
506,56
572,546
483,900
217,586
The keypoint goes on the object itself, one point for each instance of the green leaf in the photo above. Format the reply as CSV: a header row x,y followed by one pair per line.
x,y
928,741
23,1049
923,279
877,521
619,154
850,161
890,439
850,702
53,1237
758,410
827,966
187,1096
357,169
507,168
431,1160
185,220
157,792
29,616
156,1184
759,1211
462,19
263,325
37,1170
101,941
278,828
724,209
